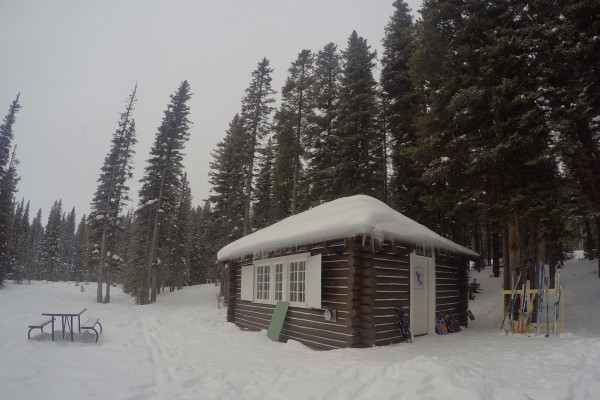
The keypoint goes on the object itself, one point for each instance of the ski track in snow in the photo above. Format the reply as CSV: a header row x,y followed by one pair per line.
x,y
182,348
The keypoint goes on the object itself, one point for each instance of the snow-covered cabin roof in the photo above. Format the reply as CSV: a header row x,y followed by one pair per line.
x,y
342,218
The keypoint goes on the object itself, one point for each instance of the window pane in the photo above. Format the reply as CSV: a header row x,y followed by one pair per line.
x,y
297,281
278,282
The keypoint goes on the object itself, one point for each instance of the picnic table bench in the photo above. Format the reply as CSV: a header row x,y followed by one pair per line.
x,y
40,325
90,324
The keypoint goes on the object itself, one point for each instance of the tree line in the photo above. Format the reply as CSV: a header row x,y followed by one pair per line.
x,y
483,124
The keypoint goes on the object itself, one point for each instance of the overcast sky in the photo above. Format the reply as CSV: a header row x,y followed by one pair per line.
x,y
75,62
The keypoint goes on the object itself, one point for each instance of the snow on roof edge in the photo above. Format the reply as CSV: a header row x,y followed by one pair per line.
x,y
347,217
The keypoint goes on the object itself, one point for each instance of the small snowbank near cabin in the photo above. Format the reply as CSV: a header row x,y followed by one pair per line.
x,y
346,217
182,348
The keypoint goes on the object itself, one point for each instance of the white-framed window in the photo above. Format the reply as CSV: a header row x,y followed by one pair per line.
x,y
263,282
295,278
297,281
278,282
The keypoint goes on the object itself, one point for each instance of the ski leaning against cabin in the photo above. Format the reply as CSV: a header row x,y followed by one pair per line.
x,y
344,267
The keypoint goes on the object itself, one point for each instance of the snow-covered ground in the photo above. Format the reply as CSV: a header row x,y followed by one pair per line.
x,y
182,348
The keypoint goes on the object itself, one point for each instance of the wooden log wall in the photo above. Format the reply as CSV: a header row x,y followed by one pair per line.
x,y
308,325
451,286
364,281
392,268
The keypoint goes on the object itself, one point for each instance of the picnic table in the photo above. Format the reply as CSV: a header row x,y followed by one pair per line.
x,y
67,320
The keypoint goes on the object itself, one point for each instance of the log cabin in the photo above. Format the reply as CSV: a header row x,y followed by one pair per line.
x,y
344,267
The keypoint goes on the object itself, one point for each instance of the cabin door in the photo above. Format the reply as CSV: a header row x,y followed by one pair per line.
x,y
422,294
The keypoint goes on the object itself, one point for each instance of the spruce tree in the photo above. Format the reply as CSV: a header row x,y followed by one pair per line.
x,y
8,187
359,156
400,105
263,212
111,194
50,247
160,195
82,252
35,240
292,123
255,114
321,139
179,265
572,94
20,241
6,135
227,175
197,246
67,247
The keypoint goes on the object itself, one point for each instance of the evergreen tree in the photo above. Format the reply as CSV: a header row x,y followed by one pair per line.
x,y
283,169
292,123
50,247
321,139
227,176
160,195
572,94
179,265
400,105
111,194
6,136
483,139
8,187
67,247
82,252
20,241
255,113
359,156
35,240
197,248
263,210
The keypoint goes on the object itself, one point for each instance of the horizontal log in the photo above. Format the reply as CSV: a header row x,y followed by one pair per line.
x,y
390,310
390,302
389,264
382,279
390,287
445,301
392,272
332,290
257,322
446,286
249,326
389,337
334,265
447,309
384,319
312,341
316,327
